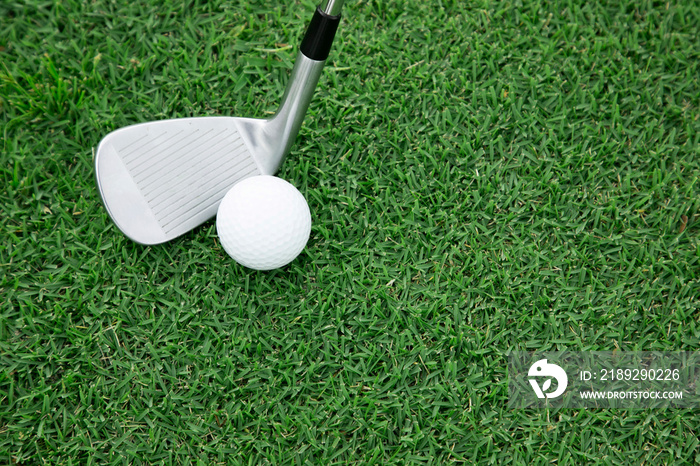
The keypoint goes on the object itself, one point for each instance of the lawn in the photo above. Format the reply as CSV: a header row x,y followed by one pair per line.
x,y
484,177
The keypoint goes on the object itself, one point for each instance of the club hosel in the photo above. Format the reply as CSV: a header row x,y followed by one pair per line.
x,y
285,124
313,52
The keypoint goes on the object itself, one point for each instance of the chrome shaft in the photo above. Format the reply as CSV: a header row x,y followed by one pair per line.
x,y
333,7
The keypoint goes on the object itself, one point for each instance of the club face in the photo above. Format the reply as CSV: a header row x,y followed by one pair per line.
x,y
161,179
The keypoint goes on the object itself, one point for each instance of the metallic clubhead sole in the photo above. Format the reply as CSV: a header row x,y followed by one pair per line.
x,y
159,180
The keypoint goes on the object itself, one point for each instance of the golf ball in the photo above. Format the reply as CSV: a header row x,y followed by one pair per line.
x,y
263,222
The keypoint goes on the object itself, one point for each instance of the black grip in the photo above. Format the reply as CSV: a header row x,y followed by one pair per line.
x,y
319,36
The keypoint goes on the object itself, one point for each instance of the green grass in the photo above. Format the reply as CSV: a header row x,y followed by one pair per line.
x,y
483,177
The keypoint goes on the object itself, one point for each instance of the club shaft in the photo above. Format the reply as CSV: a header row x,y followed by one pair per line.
x,y
314,49
332,7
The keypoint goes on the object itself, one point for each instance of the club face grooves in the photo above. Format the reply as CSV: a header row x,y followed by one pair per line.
x,y
163,178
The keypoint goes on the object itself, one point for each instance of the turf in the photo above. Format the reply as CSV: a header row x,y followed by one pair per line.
x,y
483,177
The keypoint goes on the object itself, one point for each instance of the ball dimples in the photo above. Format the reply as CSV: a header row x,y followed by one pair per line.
x,y
263,222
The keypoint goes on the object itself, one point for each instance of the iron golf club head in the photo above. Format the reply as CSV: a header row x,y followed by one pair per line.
x,y
159,180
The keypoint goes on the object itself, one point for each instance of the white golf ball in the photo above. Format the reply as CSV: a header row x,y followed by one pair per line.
x,y
263,222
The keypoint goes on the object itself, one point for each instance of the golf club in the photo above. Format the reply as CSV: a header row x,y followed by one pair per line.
x,y
158,180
